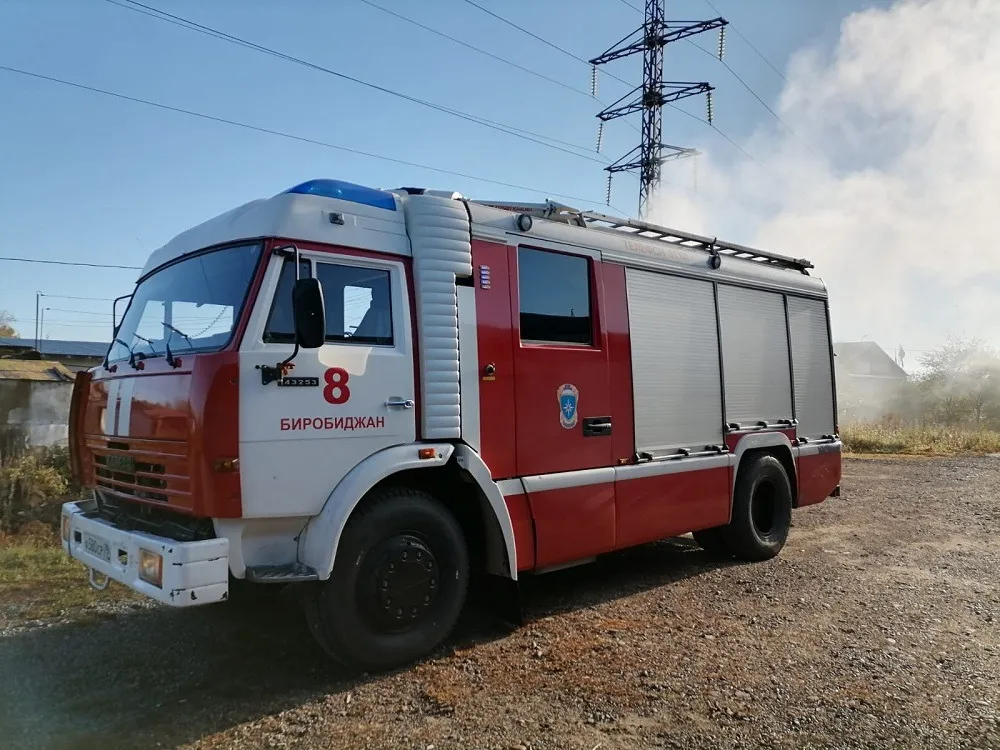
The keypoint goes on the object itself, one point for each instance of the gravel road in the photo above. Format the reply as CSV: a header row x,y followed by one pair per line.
x,y
876,627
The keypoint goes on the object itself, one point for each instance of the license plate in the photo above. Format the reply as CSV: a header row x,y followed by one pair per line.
x,y
97,547
124,464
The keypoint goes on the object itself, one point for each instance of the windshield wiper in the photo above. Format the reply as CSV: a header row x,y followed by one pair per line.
x,y
171,359
142,355
180,333
131,353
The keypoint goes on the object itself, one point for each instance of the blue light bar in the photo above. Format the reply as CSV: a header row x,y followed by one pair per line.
x,y
347,191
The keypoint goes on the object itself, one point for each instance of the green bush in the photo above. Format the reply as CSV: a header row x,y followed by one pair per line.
x,y
33,486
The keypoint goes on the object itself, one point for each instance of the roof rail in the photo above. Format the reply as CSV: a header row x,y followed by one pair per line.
x,y
558,212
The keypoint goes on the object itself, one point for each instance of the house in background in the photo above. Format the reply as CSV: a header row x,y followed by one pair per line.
x,y
73,355
34,403
868,379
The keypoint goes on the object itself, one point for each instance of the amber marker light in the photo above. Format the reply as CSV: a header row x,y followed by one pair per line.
x,y
151,567
227,465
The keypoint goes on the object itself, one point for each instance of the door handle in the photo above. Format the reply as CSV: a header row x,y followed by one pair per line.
x,y
397,402
596,426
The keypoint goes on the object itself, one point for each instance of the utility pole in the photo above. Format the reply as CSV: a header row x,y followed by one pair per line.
x,y
38,305
649,156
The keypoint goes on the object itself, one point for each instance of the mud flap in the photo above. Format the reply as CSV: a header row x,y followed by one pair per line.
x,y
501,597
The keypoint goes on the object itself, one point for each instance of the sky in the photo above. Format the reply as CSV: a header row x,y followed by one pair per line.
x,y
91,178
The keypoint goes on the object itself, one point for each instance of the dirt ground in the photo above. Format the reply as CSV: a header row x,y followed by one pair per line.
x,y
877,626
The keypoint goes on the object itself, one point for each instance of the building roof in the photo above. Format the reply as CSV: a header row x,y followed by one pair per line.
x,y
38,370
866,358
57,347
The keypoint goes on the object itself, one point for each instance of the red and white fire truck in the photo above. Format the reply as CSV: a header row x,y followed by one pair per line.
x,y
381,395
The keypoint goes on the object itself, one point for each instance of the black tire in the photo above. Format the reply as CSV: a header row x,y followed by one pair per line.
x,y
398,584
713,541
762,509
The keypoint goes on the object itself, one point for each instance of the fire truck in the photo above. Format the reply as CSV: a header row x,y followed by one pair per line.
x,y
384,395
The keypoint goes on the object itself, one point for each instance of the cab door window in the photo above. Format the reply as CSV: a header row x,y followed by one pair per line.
x,y
358,304
554,296
357,300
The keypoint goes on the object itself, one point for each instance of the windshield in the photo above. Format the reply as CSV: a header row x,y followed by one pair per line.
x,y
193,305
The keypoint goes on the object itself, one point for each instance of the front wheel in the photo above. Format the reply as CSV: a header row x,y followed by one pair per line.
x,y
398,583
762,509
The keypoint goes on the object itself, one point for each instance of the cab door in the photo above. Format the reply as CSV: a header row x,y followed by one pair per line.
x,y
563,421
352,397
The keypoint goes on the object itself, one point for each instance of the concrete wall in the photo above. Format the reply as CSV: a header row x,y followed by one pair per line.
x,y
34,413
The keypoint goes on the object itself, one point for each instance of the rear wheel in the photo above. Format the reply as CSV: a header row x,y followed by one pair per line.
x,y
762,509
398,584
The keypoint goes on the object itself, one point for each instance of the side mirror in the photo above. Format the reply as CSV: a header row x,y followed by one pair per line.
x,y
309,313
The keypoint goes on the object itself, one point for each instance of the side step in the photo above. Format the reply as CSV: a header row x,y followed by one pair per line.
x,y
292,573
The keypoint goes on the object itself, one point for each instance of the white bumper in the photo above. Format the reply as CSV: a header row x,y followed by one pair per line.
x,y
193,572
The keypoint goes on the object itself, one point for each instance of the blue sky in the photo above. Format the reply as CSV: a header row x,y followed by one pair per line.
x,y
96,179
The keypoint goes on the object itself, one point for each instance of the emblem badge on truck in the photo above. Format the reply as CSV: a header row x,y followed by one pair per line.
x,y
569,397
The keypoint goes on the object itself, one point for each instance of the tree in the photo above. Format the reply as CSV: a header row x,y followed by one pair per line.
x,y
962,384
7,325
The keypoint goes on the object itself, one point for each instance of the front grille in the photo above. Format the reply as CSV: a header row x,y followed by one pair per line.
x,y
143,470
143,485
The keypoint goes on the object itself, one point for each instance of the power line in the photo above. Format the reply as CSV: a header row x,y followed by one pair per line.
x,y
504,60
736,145
738,33
748,43
756,96
544,41
633,7
523,30
88,299
713,126
66,262
481,51
722,133
79,323
281,134
79,312
527,135
611,75
649,41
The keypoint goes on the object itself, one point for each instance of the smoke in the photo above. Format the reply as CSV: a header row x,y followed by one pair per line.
x,y
891,185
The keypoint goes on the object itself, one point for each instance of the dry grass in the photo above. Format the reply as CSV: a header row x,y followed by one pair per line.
x,y
927,441
38,580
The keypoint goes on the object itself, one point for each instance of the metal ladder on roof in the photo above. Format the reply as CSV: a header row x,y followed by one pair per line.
x,y
553,211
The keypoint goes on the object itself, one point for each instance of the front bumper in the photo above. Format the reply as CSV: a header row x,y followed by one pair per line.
x,y
193,572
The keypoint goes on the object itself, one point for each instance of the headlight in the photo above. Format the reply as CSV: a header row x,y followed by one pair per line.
x,y
151,568
65,528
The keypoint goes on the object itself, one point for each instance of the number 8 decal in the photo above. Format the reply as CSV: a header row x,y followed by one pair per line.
x,y
336,391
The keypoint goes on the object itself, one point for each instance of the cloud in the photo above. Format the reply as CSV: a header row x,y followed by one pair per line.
x,y
892,187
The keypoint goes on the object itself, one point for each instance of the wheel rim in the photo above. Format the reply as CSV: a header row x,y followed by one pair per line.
x,y
763,507
399,584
